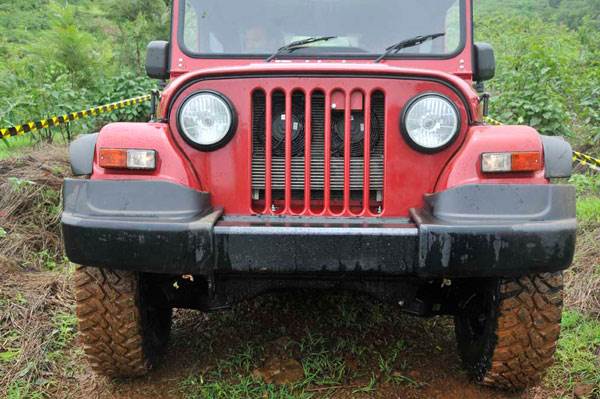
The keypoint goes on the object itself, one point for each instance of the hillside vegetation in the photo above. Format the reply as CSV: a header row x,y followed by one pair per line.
x,y
548,54
60,56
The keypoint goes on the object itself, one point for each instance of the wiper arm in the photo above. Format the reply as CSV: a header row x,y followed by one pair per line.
x,y
298,44
414,41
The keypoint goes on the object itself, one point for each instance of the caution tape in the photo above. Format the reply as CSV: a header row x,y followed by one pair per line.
x,y
587,160
492,121
73,116
582,159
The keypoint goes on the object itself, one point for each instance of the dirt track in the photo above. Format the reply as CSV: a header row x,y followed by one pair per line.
x,y
419,356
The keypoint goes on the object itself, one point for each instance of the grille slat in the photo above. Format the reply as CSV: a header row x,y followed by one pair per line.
x,y
302,149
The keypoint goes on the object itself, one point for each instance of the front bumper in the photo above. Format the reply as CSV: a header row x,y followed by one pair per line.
x,y
470,231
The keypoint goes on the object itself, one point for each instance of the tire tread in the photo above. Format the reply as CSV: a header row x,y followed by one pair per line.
x,y
110,324
527,331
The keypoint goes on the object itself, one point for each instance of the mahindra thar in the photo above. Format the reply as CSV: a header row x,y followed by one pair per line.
x,y
322,144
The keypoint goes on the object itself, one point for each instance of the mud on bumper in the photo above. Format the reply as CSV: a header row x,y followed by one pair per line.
x,y
470,231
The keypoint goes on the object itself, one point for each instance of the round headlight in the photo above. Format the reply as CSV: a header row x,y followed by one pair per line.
x,y
430,122
207,120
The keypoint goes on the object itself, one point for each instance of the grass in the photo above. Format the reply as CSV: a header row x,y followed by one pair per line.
x,y
578,354
17,145
353,356
586,184
242,389
12,146
588,210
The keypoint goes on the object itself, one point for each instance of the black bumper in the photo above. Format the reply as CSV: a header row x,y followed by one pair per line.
x,y
477,230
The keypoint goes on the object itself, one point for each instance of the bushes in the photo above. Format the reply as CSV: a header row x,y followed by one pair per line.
x,y
126,85
67,56
548,73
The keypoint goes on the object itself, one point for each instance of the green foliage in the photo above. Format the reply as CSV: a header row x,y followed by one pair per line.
x,y
70,50
63,332
61,57
588,201
548,69
126,85
586,185
588,211
529,89
66,56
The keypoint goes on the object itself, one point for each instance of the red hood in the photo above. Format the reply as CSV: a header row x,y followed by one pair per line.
x,y
317,68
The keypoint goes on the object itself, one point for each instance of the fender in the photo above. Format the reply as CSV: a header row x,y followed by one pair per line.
x,y
558,157
171,164
465,166
81,154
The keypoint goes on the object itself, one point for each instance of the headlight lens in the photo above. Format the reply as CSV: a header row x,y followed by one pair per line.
x,y
431,122
207,120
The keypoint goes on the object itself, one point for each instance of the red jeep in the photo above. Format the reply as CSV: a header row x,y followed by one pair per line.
x,y
326,144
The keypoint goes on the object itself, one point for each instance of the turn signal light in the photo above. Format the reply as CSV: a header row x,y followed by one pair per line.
x,y
504,162
121,158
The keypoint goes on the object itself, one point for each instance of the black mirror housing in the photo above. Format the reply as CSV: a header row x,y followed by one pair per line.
x,y
157,60
484,67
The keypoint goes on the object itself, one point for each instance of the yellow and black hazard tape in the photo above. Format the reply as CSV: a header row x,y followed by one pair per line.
x,y
492,121
578,157
73,116
587,160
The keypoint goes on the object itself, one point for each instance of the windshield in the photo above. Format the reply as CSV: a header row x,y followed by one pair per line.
x,y
213,28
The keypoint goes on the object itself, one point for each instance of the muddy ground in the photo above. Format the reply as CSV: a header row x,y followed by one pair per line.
x,y
346,341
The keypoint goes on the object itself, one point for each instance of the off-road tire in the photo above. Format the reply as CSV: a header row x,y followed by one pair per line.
x,y
507,329
122,335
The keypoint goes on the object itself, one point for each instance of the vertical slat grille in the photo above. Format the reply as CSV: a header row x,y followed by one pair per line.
x,y
293,126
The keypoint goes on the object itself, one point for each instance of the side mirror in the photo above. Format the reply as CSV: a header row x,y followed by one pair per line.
x,y
485,62
157,60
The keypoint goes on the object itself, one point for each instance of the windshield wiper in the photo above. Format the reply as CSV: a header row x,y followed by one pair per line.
x,y
415,41
298,44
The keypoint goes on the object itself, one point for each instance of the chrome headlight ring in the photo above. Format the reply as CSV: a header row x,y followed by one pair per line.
x,y
207,120
430,122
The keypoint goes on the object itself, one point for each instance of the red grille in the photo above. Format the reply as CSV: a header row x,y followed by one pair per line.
x,y
318,153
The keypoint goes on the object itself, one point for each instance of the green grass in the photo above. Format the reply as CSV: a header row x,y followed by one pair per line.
x,y
56,354
14,145
343,342
23,390
19,144
586,184
578,353
588,210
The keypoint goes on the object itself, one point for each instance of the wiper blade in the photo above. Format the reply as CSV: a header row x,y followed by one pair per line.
x,y
414,41
298,44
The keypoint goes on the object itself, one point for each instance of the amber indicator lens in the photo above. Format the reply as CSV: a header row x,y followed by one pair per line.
x,y
122,158
526,161
111,158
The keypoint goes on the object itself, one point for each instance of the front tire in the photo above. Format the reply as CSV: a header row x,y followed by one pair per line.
x,y
507,329
122,334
